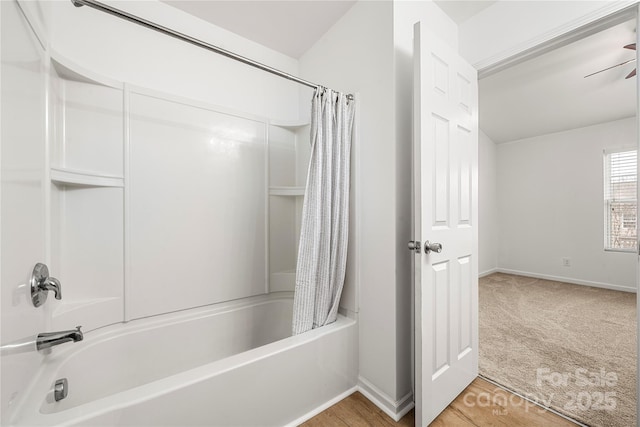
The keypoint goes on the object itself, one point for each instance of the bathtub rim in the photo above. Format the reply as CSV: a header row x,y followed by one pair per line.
x,y
30,412
59,355
115,330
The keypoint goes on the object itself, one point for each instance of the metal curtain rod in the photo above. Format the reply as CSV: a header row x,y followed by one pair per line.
x,y
181,36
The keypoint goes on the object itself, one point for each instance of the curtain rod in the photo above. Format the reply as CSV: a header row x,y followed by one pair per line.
x,y
192,40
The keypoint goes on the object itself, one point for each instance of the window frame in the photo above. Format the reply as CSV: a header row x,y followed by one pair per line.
x,y
608,201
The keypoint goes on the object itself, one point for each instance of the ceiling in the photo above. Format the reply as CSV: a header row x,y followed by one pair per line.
x,y
550,93
460,11
293,26
544,95
289,27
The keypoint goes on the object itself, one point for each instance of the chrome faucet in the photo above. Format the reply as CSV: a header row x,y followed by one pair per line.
x,y
52,284
51,339
41,283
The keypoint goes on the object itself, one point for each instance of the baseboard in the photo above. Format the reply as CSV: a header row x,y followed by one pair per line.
x,y
567,280
396,409
488,272
324,406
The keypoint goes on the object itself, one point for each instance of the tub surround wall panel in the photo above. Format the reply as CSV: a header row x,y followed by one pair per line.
x,y
559,213
160,178
86,129
289,154
23,190
91,128
23,178
39,15
197,195
89,120
91,259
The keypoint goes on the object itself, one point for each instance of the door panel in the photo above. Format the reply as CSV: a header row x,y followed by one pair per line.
x,y
445,209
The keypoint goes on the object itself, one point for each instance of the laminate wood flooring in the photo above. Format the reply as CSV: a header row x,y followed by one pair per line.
x,y
481,404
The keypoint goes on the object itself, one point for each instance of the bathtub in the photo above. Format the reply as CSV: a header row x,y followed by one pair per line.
x,y
230,365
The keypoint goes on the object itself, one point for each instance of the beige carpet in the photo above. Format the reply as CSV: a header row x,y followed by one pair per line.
x,y
569,347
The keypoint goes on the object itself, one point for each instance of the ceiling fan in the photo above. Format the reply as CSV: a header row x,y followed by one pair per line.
x,y
631,46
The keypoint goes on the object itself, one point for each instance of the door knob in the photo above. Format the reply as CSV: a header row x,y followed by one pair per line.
x,y
432,247
414,245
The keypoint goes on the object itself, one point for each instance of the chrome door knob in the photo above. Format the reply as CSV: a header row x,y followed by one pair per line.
x,y
414,245
432,247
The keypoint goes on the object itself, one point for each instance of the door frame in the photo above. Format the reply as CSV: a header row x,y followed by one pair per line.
x,y
606,17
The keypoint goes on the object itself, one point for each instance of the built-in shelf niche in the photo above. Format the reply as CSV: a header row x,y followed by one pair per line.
x,y
88,120
88,255
288,163
286,191
87,195
63,176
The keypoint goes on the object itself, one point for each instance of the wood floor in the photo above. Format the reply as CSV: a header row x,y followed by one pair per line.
x,y
480,405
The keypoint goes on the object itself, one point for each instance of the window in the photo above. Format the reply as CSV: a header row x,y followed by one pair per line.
x,y
620,204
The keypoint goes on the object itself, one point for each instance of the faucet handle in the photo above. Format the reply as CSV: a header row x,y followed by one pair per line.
x,y
53,284
41,284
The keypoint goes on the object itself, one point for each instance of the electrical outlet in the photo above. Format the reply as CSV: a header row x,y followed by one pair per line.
x,y
566,262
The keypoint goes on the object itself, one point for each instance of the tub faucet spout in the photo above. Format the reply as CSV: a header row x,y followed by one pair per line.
x,y
51,339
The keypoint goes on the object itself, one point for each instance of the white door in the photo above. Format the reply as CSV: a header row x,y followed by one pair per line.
x,y
446,213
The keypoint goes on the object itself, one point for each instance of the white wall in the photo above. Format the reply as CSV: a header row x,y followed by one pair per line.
x,y
128,52
550,206
369,52
487,205
356,56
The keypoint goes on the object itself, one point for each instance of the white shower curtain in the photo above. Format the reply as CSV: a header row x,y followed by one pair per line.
x,y
322,254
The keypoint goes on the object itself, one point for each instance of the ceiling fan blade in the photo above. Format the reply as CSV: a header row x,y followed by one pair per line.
x,y
631,74
631,46
613,66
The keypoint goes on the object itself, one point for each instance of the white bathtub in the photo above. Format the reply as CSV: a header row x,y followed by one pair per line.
x,y
223,366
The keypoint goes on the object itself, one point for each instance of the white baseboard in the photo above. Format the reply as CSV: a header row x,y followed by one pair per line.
x,y
396,409
488,272
326,405
566,280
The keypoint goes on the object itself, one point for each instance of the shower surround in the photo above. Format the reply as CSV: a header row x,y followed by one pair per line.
x,y
169,196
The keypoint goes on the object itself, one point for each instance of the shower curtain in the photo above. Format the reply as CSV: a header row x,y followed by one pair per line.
x,y
322,254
